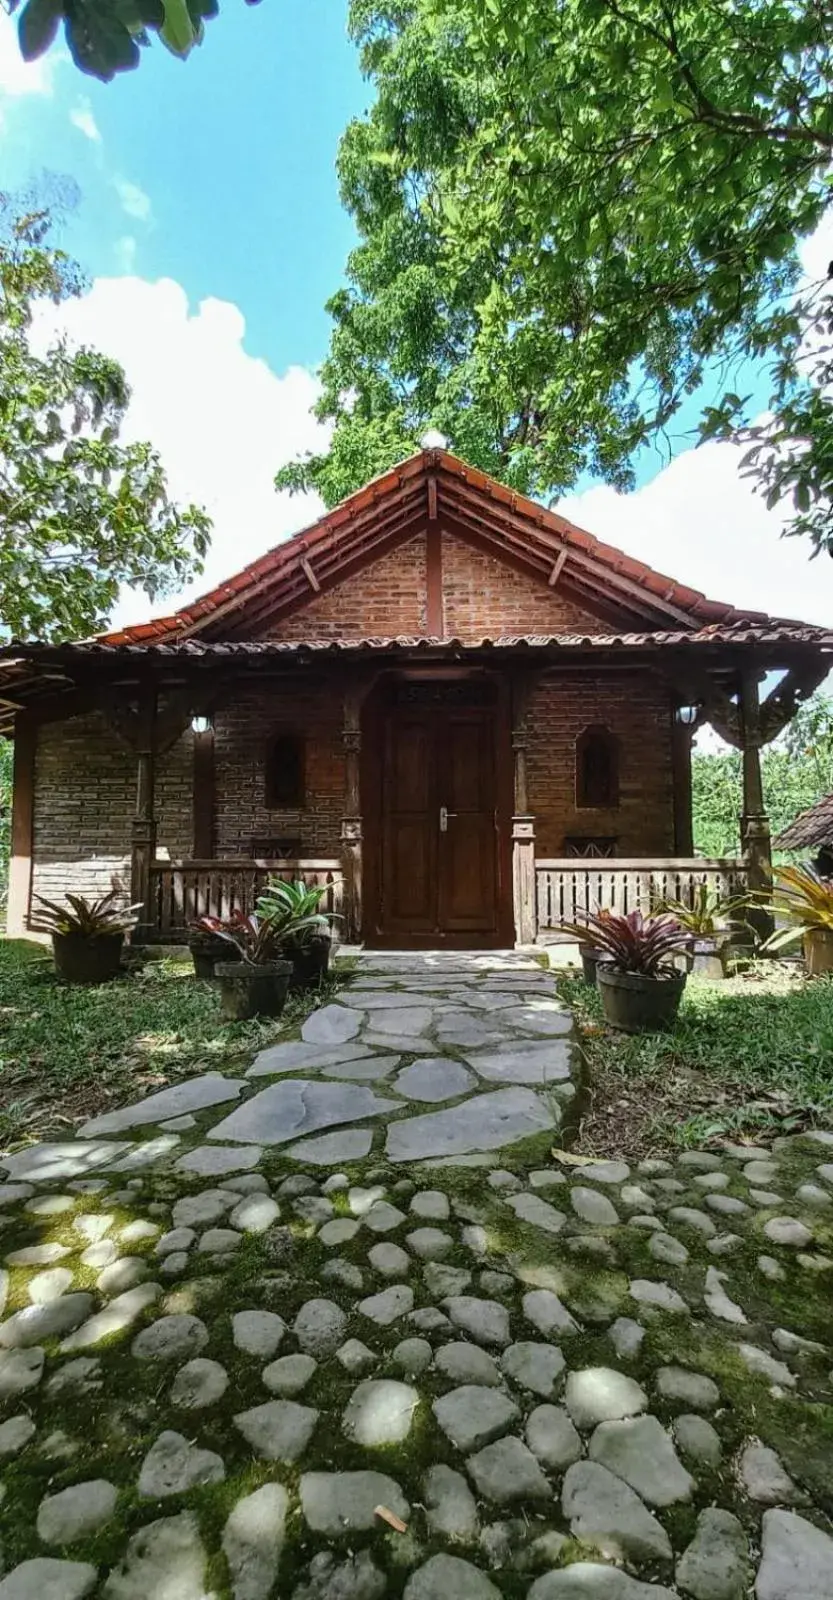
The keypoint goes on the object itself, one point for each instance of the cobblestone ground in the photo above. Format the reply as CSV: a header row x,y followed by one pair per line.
x,y
343,1329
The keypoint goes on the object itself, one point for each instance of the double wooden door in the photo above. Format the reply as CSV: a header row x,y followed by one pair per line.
x,y
438,864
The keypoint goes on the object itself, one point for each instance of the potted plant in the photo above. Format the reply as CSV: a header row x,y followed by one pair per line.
x,y
207,946
639,988
256,984
705,922
591,955
302,930
804,901
88,935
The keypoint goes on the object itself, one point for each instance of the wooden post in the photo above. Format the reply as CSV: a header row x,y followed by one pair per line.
x,y
351,822
523,822
203,795
756,843
681,779
143,843
20,861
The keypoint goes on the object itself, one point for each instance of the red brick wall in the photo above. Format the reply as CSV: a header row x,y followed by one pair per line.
x,y
636,708
385,599
482,597
242,731
85,794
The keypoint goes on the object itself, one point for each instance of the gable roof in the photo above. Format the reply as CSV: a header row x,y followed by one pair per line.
x,y
812,827
435,486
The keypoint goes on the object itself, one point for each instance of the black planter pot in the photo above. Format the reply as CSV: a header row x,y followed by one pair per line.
x,y
87,958
590,959
310,961
248,991
206,950
635,1004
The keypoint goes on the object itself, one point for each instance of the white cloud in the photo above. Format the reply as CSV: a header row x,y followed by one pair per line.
x,y
222,420
124,251
699,521
134,201
81,117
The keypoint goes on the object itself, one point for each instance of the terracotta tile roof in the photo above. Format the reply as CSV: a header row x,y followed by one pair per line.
x,y
394,507
812,828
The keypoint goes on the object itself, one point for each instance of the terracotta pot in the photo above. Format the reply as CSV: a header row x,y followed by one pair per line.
x,y
87,958
818,950
247,991
636,1004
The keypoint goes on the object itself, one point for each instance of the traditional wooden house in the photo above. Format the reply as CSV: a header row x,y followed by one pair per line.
x,y
465,715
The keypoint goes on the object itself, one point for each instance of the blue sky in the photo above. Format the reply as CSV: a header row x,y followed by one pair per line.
x,y
234,150
209,225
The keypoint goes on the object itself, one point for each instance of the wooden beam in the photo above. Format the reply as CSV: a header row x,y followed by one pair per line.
x,y
557,570
784,700
681,737
23,815
434,618
432,499
309,575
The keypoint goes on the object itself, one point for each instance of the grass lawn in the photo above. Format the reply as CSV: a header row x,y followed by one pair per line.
x,y
68,1053
752,1056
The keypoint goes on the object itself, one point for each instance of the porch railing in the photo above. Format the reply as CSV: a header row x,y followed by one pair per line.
x,y
181,891
567,890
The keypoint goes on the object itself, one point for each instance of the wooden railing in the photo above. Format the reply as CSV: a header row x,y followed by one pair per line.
x,y
566,890
181,891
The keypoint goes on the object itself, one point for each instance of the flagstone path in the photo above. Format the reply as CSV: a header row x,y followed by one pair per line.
x,y
340,1328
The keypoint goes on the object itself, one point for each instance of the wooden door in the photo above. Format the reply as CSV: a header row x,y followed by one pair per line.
x,y
438,815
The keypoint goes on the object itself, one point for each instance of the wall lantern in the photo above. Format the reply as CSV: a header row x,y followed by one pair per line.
x,y
687,715
201,724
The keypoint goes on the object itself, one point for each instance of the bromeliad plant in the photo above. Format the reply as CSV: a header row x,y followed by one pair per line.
x,y
632,943
87,935
804,901
708,916
638,986
105,917
253,937
294,910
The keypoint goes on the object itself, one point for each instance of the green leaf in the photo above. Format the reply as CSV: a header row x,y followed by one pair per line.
x,y
37,26
178,31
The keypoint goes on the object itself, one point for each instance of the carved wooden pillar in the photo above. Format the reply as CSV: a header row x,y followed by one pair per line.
x,y
523,822
754,824
143,833
351,822
20,859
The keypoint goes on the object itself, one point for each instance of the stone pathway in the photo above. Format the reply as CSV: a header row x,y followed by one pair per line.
x,y
340,1328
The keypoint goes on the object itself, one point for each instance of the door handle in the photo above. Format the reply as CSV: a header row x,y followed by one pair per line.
x,y
444,816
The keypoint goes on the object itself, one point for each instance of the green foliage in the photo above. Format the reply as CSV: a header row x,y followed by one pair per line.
x,y
796,772
567,217
750,1053
80,512
107,36
89,919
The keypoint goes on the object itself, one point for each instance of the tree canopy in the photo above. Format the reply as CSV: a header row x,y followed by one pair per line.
x,y
80,512
105,37
569,216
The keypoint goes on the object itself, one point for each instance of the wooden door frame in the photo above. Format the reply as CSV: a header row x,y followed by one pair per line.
x,y
372,763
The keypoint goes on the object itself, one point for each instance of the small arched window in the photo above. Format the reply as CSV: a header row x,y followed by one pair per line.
x,y
285,773
597,769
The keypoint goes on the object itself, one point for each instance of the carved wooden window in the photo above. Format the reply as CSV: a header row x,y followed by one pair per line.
x,y
285,776
597,769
